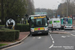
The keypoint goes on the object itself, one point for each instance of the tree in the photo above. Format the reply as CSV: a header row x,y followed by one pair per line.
x,y
13,8
30,7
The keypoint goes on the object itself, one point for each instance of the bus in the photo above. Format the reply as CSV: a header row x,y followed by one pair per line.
x,y
65,21
38,24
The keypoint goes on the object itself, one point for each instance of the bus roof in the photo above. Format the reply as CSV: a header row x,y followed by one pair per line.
x,y
37,15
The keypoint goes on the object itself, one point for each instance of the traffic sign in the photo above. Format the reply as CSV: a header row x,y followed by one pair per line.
x,y
58,16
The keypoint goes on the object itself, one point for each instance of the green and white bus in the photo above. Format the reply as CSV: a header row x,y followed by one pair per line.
x,y
65,21
38,24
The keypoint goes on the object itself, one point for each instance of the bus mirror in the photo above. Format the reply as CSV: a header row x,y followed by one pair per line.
x,y
47,18
29,20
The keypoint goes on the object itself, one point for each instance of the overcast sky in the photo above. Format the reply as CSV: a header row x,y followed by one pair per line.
x,y
49,4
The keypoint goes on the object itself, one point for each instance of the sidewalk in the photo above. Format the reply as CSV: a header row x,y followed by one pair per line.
x,y
22,36
74,28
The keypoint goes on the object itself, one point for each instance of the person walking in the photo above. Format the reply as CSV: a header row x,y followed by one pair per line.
x,y
52,29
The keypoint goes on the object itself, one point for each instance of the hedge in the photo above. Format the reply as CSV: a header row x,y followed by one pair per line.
x,y
2,26
9,34
22,27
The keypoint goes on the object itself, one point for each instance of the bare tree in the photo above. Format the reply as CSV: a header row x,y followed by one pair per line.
x,y
30,7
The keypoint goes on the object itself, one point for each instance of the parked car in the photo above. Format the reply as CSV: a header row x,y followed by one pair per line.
x,y
68,26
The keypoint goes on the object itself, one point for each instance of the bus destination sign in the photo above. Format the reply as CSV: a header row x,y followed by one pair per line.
x,y
38,17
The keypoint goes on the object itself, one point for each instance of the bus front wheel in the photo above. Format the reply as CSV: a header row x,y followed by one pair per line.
x,y
46,33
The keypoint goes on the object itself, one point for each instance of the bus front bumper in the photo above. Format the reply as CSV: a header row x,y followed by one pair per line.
x,y
39,32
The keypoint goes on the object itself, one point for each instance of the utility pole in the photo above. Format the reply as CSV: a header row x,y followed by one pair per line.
x,y
2,12
67,8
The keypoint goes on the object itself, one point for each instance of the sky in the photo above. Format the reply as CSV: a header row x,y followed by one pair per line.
x,y
48,4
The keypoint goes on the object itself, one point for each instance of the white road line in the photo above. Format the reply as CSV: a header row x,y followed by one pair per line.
x,y
52,41
63,36
51,46
39,37
72,34
51,38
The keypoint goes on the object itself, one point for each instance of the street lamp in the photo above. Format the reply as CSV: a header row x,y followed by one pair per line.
x,y
67,8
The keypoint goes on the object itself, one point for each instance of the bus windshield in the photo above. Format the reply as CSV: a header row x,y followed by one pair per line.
x,y
41,22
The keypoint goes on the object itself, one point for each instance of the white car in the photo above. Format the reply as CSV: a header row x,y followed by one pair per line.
x,y
68,26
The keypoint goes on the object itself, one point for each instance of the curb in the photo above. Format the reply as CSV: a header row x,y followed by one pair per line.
x,y
14,42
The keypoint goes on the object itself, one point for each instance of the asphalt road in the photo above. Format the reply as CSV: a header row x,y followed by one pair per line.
x,y
47,42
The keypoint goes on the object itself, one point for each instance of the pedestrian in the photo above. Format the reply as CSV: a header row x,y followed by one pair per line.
x,y
52,29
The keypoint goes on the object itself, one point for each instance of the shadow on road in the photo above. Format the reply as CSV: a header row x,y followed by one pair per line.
x,y
39,35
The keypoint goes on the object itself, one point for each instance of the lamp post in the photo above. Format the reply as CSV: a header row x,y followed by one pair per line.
x,y
67,8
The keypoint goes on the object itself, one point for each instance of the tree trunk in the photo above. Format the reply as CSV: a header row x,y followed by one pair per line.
x,y
2,13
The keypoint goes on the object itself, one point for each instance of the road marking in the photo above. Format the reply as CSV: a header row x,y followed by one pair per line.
x,y
39,37
52,41
72,34
51,38
51,46
63,36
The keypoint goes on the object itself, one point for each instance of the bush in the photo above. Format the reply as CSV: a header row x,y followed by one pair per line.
x,y
22,27
9,34
2,26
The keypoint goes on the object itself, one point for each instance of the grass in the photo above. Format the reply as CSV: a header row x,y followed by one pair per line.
x,y
2,45
2,25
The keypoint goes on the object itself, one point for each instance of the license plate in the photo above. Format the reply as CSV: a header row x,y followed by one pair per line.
x,y
39,32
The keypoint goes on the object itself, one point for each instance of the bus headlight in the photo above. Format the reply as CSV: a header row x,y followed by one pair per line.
x,y
46,29
32,30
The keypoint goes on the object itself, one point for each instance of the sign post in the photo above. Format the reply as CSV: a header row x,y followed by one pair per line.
x,y
58,16
10,23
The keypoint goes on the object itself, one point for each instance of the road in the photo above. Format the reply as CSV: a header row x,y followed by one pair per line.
x,y
47,42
